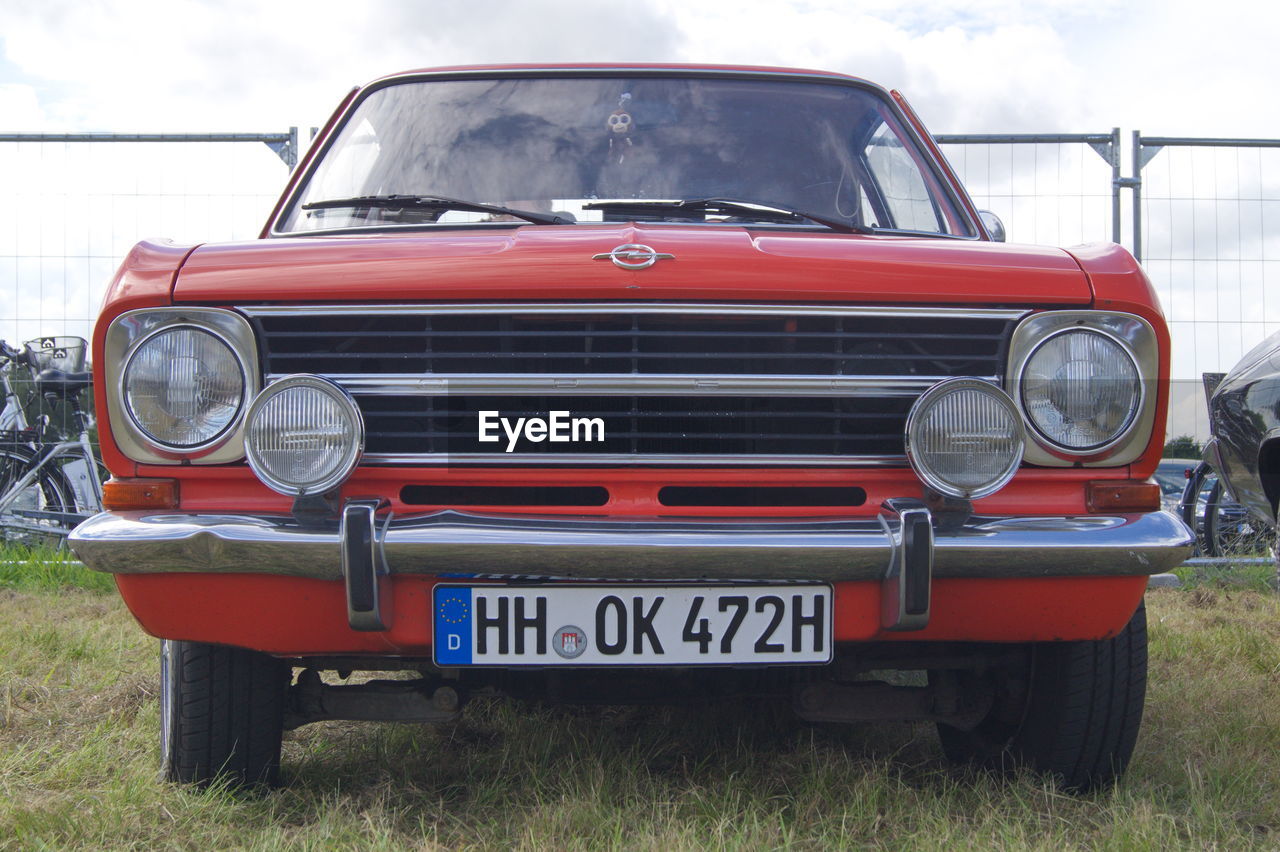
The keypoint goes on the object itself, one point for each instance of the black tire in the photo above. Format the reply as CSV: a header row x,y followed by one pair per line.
x,y
1073,715
50,492
221,714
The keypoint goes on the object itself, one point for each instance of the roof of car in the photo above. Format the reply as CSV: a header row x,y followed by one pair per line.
x,y
624,67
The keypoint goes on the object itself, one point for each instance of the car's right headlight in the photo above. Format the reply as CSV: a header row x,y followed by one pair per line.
x,y
1086,384
179,383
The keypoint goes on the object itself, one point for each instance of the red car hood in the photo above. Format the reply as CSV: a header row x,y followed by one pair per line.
x,y
552,262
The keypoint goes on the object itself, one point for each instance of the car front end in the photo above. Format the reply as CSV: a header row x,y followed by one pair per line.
x,y
669,393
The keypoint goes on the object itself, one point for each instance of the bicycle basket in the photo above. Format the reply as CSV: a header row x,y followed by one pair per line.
x,y
58,353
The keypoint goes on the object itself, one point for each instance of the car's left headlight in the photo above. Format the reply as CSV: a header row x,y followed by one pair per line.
x,y
1085,381
179,382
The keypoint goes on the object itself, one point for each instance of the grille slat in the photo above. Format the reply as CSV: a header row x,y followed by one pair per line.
x,y
662,335
881,350
808,356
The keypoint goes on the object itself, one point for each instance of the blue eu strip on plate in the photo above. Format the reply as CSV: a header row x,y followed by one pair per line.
x,y
452,626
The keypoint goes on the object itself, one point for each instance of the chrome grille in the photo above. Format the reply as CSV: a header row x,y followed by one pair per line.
x,y
674,383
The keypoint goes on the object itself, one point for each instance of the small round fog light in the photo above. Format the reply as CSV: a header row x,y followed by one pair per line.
x,y
964,438
303,435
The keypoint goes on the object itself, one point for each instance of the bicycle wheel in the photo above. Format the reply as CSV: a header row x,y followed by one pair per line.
x,y
1230,531
35,516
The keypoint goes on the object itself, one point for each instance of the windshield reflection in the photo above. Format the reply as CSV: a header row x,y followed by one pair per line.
x,y
555,144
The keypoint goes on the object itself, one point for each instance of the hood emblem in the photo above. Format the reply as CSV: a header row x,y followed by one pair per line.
x,y
633,256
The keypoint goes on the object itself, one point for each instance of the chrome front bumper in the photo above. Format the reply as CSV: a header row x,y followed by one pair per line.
x,y
604,548
904,548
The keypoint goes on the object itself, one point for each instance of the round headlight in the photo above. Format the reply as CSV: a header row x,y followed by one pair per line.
x,y
1081,390
964,438
183,387
303,435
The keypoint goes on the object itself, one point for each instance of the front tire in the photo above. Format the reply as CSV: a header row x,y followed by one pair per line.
x,y
1073,715
221,714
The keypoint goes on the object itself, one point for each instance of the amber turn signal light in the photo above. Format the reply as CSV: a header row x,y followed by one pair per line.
x,y
126,494
1122,495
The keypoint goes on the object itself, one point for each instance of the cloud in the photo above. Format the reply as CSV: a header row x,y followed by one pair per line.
x,y
984,65
990,66
20,106
244,65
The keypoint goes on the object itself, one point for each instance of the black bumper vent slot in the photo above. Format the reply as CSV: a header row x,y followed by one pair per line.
x,y
504,495
761,495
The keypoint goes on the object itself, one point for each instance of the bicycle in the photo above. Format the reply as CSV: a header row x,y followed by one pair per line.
x,y
46,487
1223,527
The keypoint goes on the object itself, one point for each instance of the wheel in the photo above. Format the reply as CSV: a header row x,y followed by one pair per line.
x,y
48,493
221,714
1073,714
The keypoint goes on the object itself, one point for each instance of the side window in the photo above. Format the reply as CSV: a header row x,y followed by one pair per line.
x,y
900,185
347,170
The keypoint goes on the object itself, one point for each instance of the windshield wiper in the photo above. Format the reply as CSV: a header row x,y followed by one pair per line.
x,y
436,202
761,211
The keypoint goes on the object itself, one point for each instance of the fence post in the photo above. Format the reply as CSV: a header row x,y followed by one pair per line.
x,y
1114,159
1136,183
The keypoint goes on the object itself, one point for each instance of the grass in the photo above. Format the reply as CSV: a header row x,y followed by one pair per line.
x,y
1258,576
79,758
46,569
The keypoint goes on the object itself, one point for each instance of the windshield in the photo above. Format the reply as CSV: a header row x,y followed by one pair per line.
x,y
556,145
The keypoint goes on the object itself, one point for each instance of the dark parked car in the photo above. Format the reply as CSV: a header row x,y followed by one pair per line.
x,y
1244,415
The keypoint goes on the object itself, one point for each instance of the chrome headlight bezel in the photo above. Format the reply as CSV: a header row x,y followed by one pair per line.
x,y
132,330
1135,336
353,450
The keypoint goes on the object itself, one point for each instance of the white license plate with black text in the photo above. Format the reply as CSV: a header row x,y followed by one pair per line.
x,y
618,625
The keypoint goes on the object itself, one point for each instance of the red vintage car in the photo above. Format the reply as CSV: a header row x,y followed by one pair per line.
x,y
621,382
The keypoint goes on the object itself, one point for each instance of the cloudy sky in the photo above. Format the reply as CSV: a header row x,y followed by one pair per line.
x,y
1163,66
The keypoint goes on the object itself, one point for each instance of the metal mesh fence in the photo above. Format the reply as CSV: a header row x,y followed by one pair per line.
x,y
1210,240
1048,190
72,210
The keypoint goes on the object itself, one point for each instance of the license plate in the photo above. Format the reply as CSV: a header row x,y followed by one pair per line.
x,y
631,625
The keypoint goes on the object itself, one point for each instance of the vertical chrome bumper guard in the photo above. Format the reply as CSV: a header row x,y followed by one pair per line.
x,y
363,568
905,591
